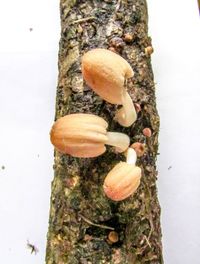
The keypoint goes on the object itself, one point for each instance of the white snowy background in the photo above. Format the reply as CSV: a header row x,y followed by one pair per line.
x,y
29,36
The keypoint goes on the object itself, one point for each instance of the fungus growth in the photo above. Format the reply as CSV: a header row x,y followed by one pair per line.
x,y
139,148
85,135
124,179
106,73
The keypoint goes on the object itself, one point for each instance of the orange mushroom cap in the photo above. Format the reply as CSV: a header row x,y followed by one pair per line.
x,y
122,181
105,72
80,135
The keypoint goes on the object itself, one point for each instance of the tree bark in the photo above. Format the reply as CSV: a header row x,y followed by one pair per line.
x,y
81,216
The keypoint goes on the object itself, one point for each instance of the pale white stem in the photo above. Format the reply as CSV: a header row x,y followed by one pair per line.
x,y
131,156
126,115
119,140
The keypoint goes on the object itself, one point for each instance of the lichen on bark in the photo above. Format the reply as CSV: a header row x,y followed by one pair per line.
x,y
81,217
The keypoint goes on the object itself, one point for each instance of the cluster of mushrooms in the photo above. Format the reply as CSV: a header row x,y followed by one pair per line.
x,y
85,135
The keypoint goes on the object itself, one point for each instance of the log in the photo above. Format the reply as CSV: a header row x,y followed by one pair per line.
x,y
81,216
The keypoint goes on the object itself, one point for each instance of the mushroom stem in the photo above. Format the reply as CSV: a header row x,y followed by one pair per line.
x,y
126,115
131,156
118,140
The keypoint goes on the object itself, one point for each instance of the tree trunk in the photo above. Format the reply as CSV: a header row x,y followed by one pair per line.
x,y
81,217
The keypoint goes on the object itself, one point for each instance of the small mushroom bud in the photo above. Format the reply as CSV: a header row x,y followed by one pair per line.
x,y
139,148
106,73
85,135
148,50
128,37
113,237
124,179
147,132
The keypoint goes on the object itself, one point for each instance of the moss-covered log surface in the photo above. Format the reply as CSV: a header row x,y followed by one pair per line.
x,y
81,217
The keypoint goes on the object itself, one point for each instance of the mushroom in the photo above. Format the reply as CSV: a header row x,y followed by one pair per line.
x,y
124,179
139,148
84,136
106,73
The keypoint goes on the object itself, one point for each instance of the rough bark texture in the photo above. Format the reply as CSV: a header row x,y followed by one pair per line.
x,y
80,214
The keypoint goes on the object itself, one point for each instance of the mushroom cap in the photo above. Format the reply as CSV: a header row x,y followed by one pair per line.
x,y
122,181
105,72
80,135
